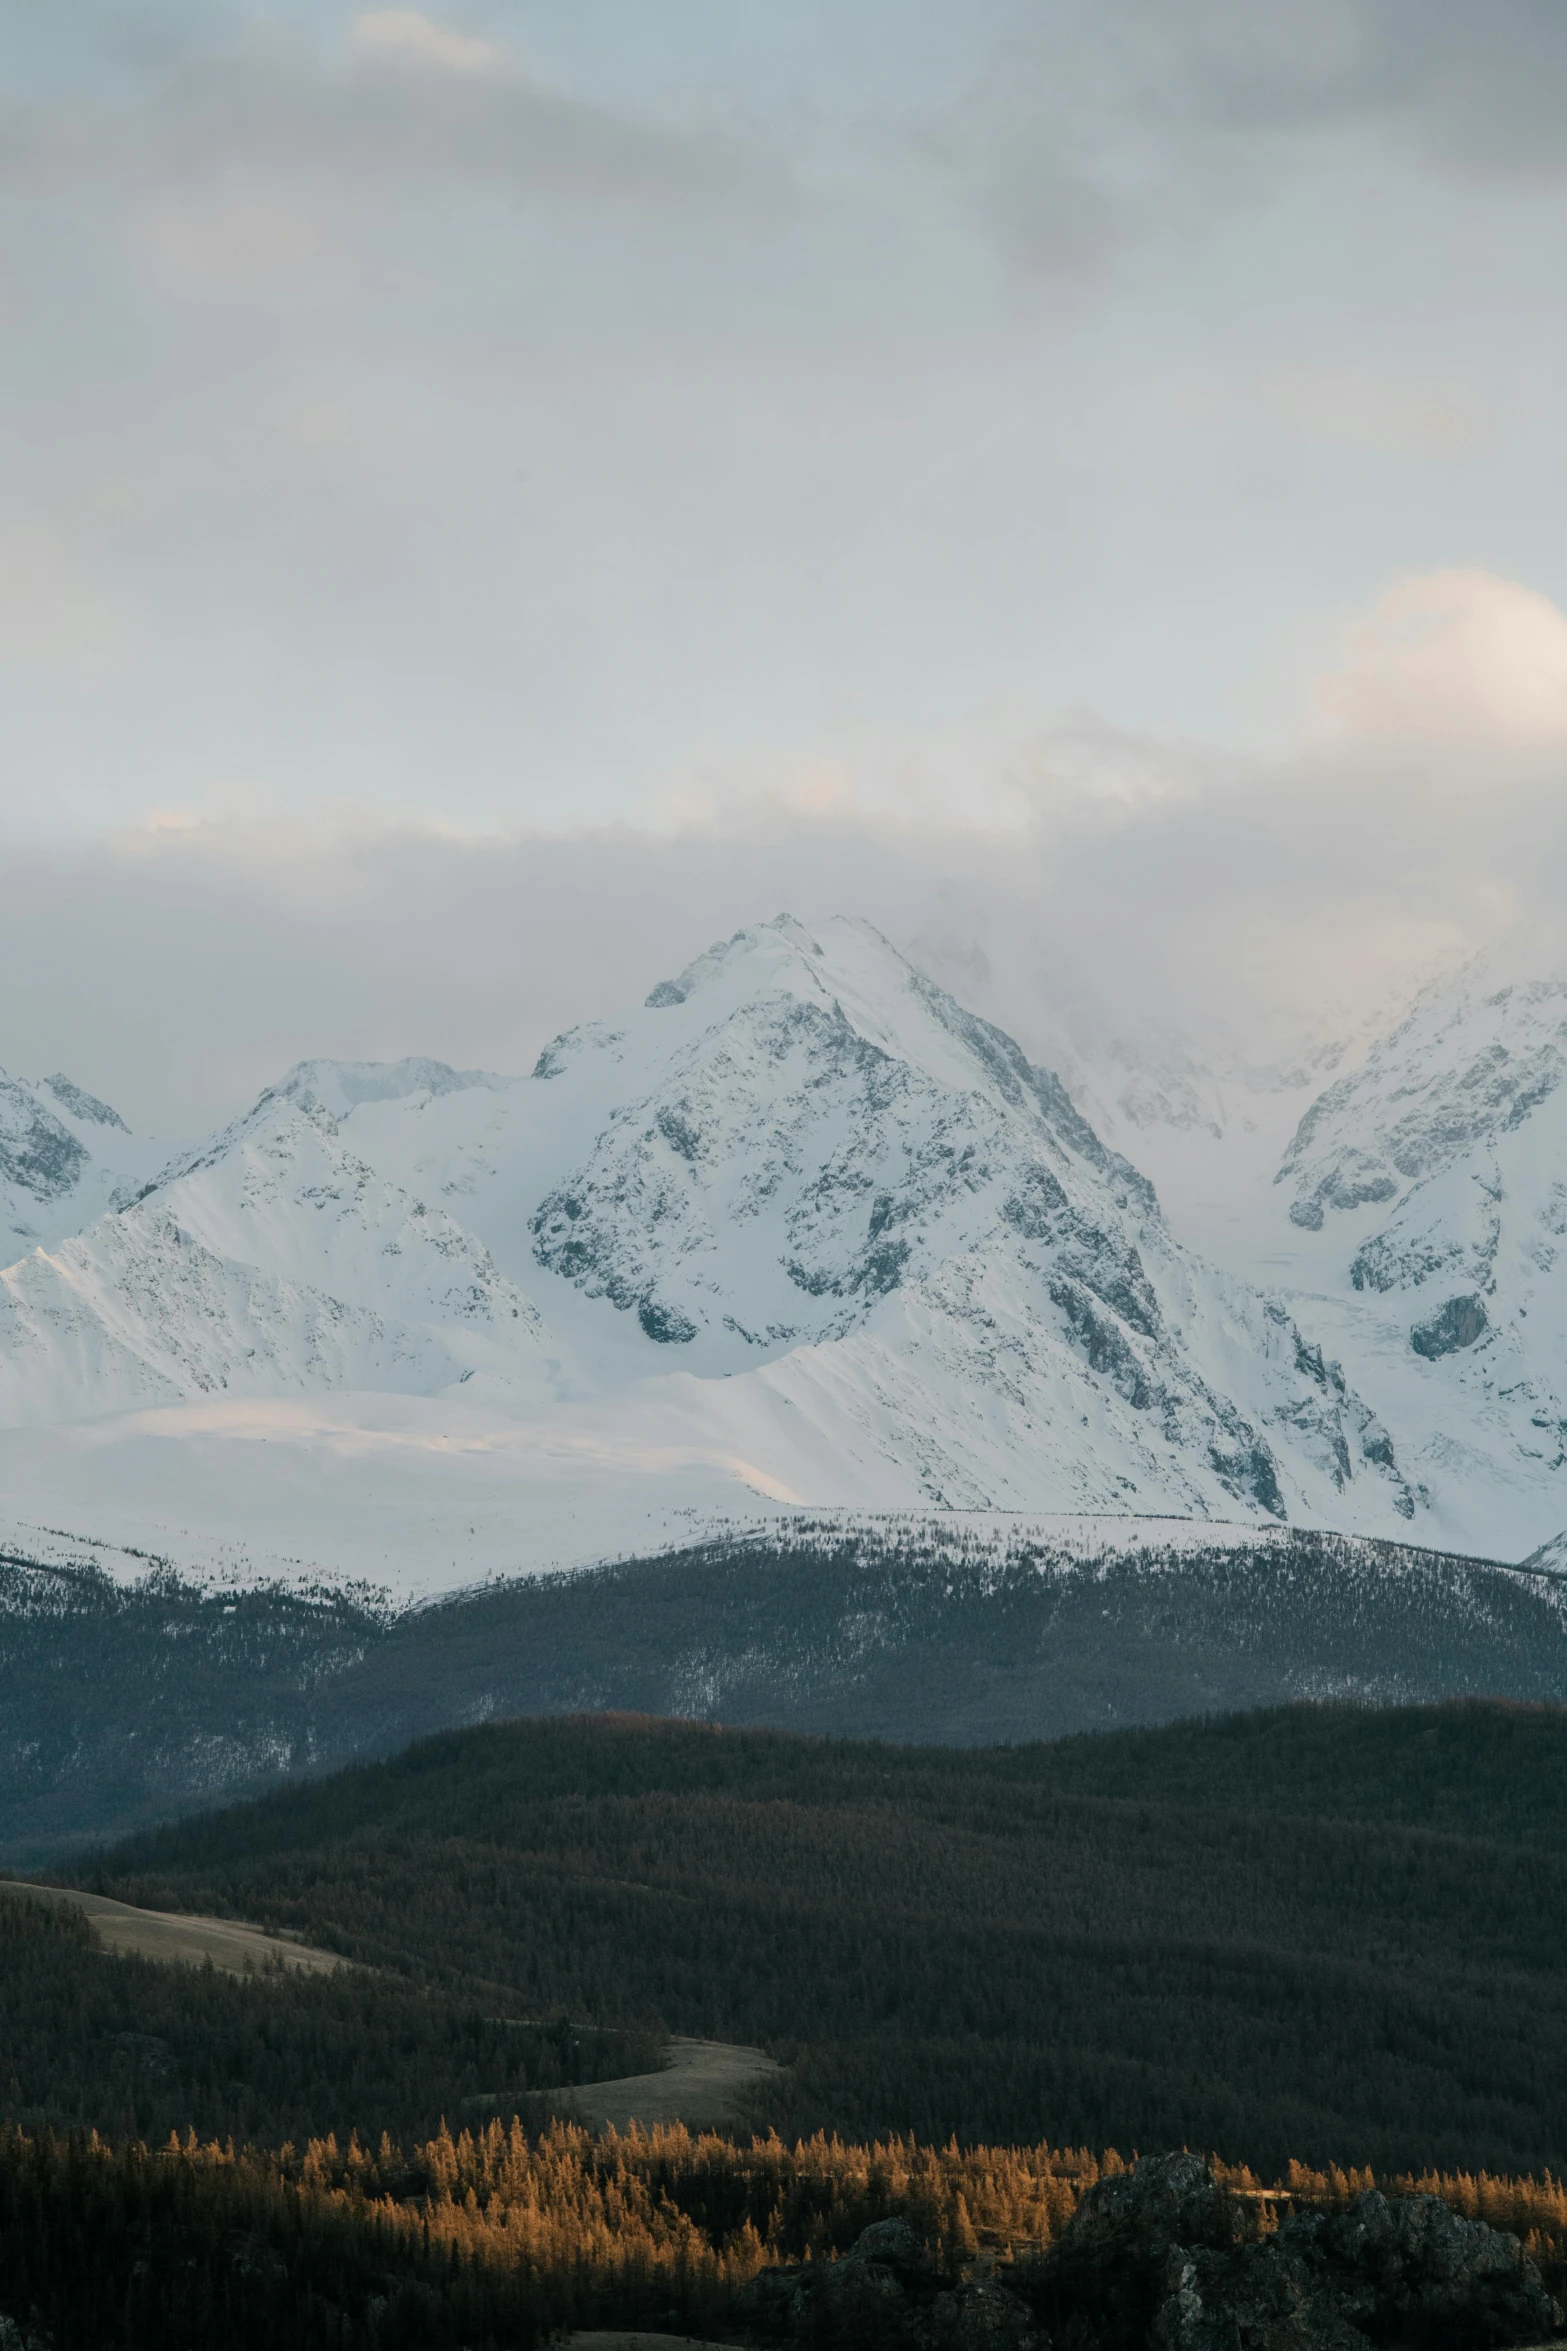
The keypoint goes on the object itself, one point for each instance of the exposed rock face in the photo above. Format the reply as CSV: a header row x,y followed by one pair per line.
x,y
1164,2259
1474,1059
37,1153
82,1105
62,1161
1457,1324
1126,2255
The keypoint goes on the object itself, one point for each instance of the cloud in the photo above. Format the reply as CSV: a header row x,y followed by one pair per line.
x,y
1103,123
55,615
1454,657
1105,885
402,36
405,415
270,124
1363,407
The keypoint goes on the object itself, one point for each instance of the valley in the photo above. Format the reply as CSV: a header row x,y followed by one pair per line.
x,y
968,1981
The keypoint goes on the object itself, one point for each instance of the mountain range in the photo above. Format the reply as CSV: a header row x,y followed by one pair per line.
x,y
799,1233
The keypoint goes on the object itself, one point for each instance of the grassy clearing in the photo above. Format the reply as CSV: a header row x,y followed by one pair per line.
x,y
233,1947
703,2086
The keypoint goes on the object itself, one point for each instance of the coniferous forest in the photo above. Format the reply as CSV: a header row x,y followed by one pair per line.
x,y
1329,1934
1325,1943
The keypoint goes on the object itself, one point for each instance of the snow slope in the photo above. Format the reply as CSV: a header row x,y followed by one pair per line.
x,y
798,1231
65,1157
1210,1122
1420,1237
272,1262
1473,1061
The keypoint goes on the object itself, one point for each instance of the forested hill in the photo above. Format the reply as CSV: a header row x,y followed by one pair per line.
x,y
122,1706
1479,1768
1323,1933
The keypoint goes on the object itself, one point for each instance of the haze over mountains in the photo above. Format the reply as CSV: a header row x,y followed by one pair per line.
x,y
798,1233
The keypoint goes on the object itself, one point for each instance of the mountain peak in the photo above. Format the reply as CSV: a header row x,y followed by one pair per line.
x,y
1476,1056
801,1227
338,1087
845,958
751,951
848,967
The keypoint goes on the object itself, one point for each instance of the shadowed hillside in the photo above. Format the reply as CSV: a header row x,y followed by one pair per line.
x,y
121,1707
1320,1933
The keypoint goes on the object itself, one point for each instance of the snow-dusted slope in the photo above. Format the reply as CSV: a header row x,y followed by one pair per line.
x,y
831,1164
1473,1061
1424,1197
65,1157
1209,1121
272,1262
798,1231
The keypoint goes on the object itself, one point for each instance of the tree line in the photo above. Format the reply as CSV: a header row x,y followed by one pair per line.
x,y
499,2238
136,2048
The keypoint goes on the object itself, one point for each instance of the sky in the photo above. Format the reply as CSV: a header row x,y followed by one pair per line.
x,y
492,497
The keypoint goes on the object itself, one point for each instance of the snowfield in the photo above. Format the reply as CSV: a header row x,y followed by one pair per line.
x,y
798,1235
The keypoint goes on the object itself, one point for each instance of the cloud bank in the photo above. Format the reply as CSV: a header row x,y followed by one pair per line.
x,y
1106,122
525,495
1103,885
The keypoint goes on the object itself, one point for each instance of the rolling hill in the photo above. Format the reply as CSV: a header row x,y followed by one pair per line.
x,y
1329,1933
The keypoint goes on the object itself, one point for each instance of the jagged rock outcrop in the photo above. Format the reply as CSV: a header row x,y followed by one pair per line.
x,y
1163,2258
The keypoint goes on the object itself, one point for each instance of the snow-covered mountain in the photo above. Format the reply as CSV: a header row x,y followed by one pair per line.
x,y
1473,1061
809,1156
799,1230
271,1262
65,1158
1421,1237
1209,1120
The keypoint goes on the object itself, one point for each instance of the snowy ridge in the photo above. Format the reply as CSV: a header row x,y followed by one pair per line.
x,y
1550,1558
799,1234
276,1262
837,1170
1427,1202
1473,1061
65,1157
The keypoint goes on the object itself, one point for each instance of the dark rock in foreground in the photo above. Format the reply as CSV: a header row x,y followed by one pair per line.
x,y
1163,2259
886,2295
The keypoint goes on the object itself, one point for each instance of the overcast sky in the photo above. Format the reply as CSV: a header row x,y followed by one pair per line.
x,y
491,496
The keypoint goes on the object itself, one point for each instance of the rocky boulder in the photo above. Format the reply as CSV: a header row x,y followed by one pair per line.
x,y
1164,2259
